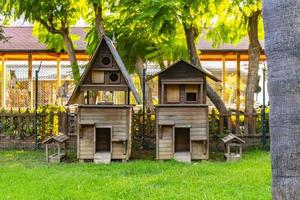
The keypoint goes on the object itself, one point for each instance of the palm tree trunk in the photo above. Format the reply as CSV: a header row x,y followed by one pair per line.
x,y
282,24
194,58
72,55
252,79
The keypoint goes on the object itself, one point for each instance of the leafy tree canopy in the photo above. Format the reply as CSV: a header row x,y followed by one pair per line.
x,y
231,24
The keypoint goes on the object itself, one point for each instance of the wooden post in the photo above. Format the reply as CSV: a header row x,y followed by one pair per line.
x,y
223,76
19,122
66,148
237,122
58,77
241,150
27,119
229,125
30,83
51,122
228,149
3,80
47,154
58,72
238,80
238,91
163,94
202,94
58,150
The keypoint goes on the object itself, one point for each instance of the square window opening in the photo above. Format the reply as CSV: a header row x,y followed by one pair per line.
x,y
191,97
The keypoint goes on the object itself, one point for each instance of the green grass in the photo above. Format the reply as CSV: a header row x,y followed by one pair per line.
x,y
25,175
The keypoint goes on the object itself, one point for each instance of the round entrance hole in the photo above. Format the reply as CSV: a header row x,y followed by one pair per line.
x,y
114,77
106,60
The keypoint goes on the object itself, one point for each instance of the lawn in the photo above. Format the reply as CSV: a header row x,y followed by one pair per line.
x,y
25,175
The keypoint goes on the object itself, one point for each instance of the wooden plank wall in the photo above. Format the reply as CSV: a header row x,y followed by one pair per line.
x,y
165,148
117,118
196,117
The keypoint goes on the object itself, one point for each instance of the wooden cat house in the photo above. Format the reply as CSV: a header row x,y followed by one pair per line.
x,y
233,147
182,113
104,113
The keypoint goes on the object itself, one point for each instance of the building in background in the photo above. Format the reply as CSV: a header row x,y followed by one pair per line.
x,y
22,54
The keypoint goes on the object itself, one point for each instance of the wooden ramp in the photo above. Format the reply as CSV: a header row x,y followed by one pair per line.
x,y
183,157
102,157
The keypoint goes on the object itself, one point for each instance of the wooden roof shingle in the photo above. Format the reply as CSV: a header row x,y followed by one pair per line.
x,y
204,71
58,139
232,137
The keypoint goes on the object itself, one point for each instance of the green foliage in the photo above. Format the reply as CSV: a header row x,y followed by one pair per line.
x,y
33,179
52,21
52,41
136,36
230,21
48,121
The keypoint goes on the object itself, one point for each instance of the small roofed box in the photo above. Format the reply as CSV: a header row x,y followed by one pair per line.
x,y
60,141
182,113
103,105
233,147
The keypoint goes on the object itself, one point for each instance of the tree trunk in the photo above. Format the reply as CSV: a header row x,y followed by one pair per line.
x,y
282,27
194,58
254,51
99,19
72,56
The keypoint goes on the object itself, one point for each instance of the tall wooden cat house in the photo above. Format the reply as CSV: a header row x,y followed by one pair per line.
x,y
182,113
104,113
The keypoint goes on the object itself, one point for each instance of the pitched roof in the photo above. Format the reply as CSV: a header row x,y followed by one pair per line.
x,y
206,72
119,63
21,39
231,137
59,139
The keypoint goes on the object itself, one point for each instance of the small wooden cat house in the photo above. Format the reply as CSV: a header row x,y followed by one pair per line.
x,y
103,107
182,113
233,147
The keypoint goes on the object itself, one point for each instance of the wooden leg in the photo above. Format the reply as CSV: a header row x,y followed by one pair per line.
x,y
47,155
66,148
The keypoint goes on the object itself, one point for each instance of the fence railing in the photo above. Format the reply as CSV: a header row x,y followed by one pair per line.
x,y
19,124
234,122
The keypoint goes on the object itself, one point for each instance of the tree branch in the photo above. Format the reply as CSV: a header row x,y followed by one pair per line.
x,y
51,28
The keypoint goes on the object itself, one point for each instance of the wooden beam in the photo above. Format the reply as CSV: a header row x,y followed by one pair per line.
x,y
30,82
223,76
52,56
3,80
103,87
43,56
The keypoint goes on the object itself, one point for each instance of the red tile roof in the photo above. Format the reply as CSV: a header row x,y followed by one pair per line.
x,y
205,45
22,40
